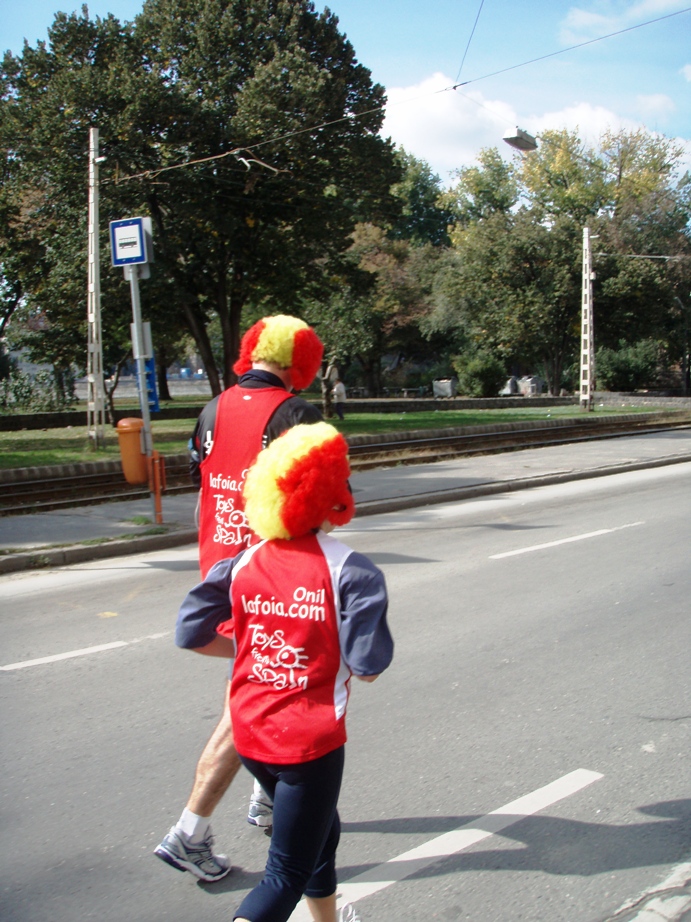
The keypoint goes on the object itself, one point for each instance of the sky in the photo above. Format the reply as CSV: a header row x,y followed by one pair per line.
x,y
419,50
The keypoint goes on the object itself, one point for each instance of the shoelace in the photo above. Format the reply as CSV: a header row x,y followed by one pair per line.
x,y
204,848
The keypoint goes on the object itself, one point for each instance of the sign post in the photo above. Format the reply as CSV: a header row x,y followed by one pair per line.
x,y
131,248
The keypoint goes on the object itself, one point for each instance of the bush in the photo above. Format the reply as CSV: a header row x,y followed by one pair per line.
x,y
480,375
628,368
45,393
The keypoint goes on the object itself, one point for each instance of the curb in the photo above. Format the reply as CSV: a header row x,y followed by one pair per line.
x,y
45,558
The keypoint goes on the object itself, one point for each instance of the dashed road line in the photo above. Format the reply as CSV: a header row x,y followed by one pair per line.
x,y
451,843
86,651
541,547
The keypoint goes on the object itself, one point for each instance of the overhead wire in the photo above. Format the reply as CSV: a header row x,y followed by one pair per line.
x,y
153,173
472,33
590,41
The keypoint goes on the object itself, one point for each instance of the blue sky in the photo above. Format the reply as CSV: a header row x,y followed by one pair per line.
x,y
415,49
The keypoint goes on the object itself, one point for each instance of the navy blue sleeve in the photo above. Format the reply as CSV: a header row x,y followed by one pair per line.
x,y
205,607
365,639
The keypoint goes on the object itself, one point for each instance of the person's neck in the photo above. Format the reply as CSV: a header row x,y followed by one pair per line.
x,y
283,373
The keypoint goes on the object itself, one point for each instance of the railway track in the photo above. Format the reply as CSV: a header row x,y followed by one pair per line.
x,y
45,489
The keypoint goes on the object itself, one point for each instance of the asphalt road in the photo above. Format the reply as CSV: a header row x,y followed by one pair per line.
x,y
525,758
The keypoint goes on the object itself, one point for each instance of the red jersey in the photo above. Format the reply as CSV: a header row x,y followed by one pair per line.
x,y
241,418
290,684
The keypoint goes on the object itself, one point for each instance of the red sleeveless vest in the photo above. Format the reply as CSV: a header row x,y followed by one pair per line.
x,y
290,683
241,418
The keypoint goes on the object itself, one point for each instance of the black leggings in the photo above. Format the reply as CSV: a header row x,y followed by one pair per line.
x,y
306,830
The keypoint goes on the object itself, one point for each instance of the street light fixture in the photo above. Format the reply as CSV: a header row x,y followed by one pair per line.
x,y
521,140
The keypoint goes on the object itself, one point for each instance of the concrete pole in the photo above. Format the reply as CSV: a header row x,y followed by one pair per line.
x,y
587,337
94,355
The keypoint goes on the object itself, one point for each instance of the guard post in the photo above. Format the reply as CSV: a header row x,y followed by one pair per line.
x,y
132,249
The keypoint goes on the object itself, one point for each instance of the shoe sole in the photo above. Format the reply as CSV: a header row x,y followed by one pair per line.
x,y
261,821
181,865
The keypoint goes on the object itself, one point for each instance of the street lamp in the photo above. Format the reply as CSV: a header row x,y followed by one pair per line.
x,y
521,140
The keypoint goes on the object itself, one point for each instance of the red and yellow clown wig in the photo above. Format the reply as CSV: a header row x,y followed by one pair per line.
x,y
284,341
299,482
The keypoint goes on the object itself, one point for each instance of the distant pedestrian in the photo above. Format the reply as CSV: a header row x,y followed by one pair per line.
x,y
339,397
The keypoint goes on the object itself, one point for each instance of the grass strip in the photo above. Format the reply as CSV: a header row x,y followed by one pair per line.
x,y
31,448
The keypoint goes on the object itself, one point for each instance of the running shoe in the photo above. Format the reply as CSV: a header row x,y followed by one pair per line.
x,y
261,810
196,857
349,914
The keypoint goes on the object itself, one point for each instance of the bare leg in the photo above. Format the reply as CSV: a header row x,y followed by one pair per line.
x,y
323,908
217,766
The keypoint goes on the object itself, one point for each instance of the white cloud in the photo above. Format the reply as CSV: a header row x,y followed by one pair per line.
x,y
686,71
657,105
448,128
581,25
590,122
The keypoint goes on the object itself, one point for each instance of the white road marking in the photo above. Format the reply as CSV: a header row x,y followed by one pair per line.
x,y
58,657
541,547
396,869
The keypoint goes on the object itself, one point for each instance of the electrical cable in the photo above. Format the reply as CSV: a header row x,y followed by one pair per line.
x,y
153,173
482,3
552,54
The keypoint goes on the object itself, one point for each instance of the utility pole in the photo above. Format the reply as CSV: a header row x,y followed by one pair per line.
x,y
587,337
94,352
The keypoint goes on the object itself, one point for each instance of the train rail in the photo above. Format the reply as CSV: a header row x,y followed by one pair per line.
x,y
45,489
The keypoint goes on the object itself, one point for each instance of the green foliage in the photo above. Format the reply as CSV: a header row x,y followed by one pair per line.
x,y
512,283
483,190
45,392
423,218
479,375
628,368
244,83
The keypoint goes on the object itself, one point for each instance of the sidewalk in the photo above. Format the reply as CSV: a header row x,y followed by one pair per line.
x,y
58,538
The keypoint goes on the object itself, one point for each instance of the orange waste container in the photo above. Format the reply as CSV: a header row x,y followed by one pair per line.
x,y
132,457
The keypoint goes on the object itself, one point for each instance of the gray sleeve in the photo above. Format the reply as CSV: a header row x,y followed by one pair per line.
x,y
205,607
366,642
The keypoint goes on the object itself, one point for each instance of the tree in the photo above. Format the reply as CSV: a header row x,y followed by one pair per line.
x,y
271,90
512,284
423,218
377,301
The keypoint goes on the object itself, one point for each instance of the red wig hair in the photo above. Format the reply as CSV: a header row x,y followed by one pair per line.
x,y
285,341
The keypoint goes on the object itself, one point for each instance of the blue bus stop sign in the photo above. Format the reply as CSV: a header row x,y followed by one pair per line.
x,y
127,242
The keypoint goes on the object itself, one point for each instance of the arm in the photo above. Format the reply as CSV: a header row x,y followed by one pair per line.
x,y
366,642
219,646
203,609
197,445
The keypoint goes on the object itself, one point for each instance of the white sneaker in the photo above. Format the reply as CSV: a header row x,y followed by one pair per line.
x,y
349,914
261,809
196,857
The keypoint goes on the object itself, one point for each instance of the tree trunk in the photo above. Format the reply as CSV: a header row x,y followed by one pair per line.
x,y
161,374
201,338
231,329
372,372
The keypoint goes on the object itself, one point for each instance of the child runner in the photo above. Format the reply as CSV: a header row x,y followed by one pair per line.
x,y
307,613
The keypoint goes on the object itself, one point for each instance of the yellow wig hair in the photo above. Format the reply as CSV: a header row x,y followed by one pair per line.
x,y
285,341
299,482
